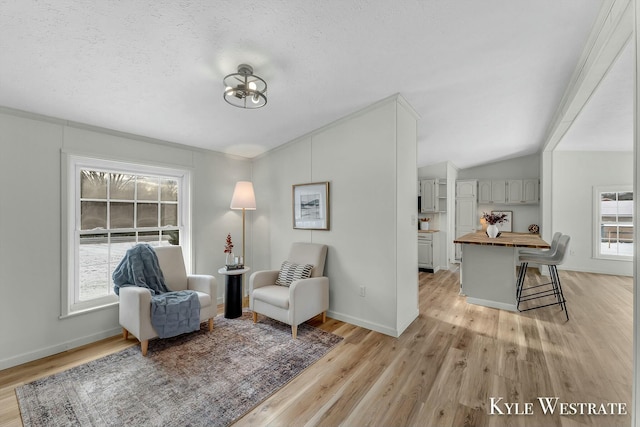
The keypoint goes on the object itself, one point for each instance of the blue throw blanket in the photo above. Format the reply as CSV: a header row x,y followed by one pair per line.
x,y
139,267
172,313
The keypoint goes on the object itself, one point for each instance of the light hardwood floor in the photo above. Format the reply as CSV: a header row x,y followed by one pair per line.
x,y
443,370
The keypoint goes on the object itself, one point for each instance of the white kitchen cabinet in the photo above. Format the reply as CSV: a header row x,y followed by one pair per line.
x,y
428,194
428,251
531,190
492,192
484,191
514,191
466,188
433,196
522,191
510,192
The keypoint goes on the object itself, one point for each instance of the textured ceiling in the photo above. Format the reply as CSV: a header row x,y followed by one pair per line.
x,y
485,76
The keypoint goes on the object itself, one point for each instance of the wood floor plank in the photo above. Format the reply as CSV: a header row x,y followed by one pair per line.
x,y
446,366
476,378
348,396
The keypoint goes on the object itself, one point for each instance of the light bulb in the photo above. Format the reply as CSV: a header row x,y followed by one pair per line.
x,y
252,85
255,98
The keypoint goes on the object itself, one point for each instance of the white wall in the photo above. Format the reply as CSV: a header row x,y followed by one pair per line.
x,y
273,176
574,174
371,167
516,168
30,225
406,239
452,176
433,171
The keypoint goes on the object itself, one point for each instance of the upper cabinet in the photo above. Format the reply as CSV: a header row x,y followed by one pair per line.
x,y
522,191
433,195
492,191
514,191
530,191
511,191
428,195
466,188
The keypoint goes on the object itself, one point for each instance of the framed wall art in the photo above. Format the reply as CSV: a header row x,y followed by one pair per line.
x,y
311,206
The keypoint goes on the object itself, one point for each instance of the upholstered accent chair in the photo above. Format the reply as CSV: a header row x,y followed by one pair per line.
x,y
135,302
282,295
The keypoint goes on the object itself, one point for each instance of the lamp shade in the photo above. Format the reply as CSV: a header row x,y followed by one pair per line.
x,y
243,196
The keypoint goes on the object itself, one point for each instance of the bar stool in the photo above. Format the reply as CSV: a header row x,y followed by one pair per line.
x,y
552,260
538,252
554,245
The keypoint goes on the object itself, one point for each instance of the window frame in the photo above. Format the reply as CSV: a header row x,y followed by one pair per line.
x,y
597,215
72,163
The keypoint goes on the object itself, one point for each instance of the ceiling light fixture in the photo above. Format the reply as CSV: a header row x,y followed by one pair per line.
x,y
243,86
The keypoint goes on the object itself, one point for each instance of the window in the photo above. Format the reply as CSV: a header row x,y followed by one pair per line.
x,y
112,206
614,222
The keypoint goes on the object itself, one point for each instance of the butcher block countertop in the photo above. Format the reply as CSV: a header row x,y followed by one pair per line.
x,y
428,231
517,240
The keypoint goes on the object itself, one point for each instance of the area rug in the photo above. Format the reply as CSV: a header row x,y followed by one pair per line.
x,y
198,379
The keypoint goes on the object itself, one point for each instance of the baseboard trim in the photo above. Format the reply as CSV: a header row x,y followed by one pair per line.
x,y
58,348
492,304
364,323
404,325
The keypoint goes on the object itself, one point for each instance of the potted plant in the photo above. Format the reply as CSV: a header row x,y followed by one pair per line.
x,y
424,223
493,219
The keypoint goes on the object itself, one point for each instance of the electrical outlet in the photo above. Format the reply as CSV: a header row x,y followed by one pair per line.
x,y
363,291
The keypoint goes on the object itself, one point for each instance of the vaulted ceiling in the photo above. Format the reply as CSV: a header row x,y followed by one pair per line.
x,y
606,121
486,77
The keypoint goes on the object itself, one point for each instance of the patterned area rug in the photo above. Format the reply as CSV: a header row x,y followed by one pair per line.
x,y
197,379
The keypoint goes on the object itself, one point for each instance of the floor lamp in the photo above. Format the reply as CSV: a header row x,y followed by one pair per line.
x,y
245,199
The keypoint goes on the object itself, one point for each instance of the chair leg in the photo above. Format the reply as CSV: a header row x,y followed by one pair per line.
x,y
211,324
520,283
294,331
324,316
555,291
144,346
563,302
555,280
125,334
255,317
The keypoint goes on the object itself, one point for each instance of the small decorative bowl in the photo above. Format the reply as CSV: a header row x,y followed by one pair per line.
x,y
534,229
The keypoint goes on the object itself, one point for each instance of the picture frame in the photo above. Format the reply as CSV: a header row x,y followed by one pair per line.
x,y
311,206
505,226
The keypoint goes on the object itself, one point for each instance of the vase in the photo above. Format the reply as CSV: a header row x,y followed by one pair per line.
x,y
231,260
424,225
492,231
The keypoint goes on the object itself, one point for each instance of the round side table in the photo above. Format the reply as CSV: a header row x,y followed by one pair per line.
x,y
233,291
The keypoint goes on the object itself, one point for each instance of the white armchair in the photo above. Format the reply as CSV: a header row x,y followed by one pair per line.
x,y
302,299
135,302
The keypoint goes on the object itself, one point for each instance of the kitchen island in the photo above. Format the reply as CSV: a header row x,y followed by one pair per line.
x,y
488,270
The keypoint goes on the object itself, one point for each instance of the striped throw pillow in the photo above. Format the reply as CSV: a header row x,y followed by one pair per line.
x,y
290,272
